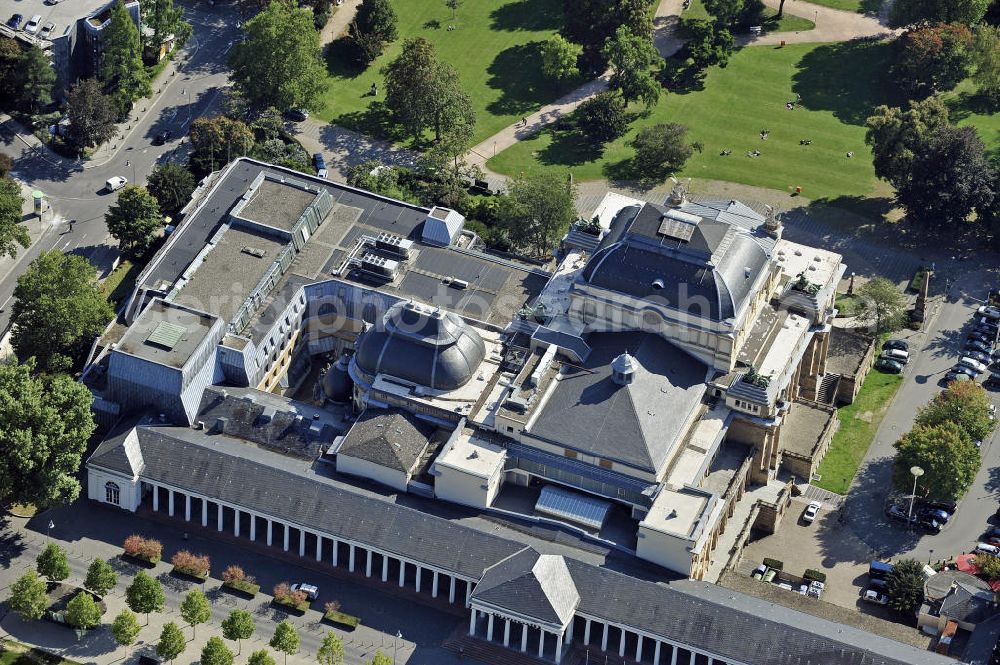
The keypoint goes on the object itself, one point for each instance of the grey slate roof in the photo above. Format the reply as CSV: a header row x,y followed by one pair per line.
x,y
391,438
968,604
637,424
537,585
216,466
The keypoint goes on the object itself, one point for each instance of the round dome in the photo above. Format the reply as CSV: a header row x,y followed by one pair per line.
x,y
337,384
422,345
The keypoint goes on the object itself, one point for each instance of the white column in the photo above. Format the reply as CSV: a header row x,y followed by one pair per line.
x,y
604,637
368,566
350,565
220,517
489,627
468,592
418,579
569,631
541,642
319,547
451,592
656,653
506,633
711,661
621,644
270,533
302,542
253,526
434,585
187,507
336,553
693,656
559,647
586,632
673,654
236,522
285,539
204,511
402,573
156,498
472,622
385,569
524,638
638,650
170,503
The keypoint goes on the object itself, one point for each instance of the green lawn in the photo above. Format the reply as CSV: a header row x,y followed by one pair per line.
x,y
845,5
967,108
732,106
786,23
494,48
858,423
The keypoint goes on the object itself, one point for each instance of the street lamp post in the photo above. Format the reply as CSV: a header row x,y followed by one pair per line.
x,y
397,636
917,472
48,531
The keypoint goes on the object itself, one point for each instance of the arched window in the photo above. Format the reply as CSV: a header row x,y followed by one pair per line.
x,y
112,493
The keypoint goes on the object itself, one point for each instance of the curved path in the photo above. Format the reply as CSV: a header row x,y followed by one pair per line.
x,y
832,25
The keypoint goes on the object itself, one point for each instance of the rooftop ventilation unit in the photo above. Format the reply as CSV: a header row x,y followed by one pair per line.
x,y
166,335
516,404
379,265
254,251
394,244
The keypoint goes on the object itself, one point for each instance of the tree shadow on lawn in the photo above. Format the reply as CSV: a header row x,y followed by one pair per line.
x,y
569,147
527,15
848,79
967,103
516,72
341,59
871,7
680,75
873,208
374,121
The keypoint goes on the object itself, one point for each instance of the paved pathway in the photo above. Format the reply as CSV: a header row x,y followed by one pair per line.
x,y
344,148
338,23
832,25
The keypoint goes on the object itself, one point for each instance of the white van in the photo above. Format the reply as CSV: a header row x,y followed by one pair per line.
x,y
115,183
896,354
973,364
987,548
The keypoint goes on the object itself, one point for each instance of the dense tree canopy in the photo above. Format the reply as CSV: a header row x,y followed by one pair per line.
x,y
101,577
28,596
92,114
602,118
933,58
661,149
53,563
909,12
905,585
45,423
986,62
163,19
883,306
537,210
195,609
58,311
238,626
217,140
947,455
83,612
896,136
122,69
37,79
591,23
291,74
560,57
373,27
964,403
125,628
12,233
144,596
171,643
171,185
632,57
708,44
134,220
285,639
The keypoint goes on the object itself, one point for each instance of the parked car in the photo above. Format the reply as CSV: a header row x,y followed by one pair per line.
x,y
978,345
984,358
900,344
955,375
934,514
162,137
33,24
964,369
785,585
879,570
948,506
115,183
46,30
297,115
809,514
878,585
770,575
896,354
993,411
816,589
980,337
986,329
15,21
987,322
759,571
888,366
972,363
989,312
872,596
311,591
987,548
992,532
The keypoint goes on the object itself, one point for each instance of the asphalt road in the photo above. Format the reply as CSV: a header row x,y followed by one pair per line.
x,y
75,190
933,352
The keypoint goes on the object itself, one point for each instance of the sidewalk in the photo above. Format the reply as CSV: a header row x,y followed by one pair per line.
x,y
338,23
832,25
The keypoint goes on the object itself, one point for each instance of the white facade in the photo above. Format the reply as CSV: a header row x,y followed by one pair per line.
x,y
381,474
114,489
469,472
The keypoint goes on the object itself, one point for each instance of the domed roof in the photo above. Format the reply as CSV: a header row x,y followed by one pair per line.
x,y
337,384
425,346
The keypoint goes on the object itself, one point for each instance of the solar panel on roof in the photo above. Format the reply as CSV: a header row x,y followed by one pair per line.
x,y
677,229
579,508
166,334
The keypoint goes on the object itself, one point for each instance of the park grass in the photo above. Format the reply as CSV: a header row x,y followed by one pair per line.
x,y
119,284
858,6
858,423
787,23
967,108
728,111
495,50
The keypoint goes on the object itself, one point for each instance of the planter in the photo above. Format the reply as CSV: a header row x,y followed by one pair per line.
x,y
342,619
142,560
290,606
199,575
243,588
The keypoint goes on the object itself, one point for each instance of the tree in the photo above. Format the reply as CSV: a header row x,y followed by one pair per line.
x,y
171,185
882,305
986,61
896,136
285,639
453,5
631,57
380,659
144,596
661,149
216,141
260,657
964,403
238,626
28,596
373,27
12,233
37,79
946,454
423,93
83,612
988,565
331,651
6,165
726,12
52,563
163,19
125,629
91,114
933,58
172,642
909,12
134,219
58,311
216,652
292,74
101,577
10,61
708,45
559,58
537,210
602,118
45,423
122,69
195,609
905,585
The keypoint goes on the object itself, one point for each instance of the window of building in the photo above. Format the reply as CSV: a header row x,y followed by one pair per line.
x,y
605,463
569,453
112,493
509,428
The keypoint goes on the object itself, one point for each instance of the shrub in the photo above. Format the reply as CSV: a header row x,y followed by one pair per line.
x,y
332,606
774,563
192,564
817,575
233,574
235,578
284,595
149,549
